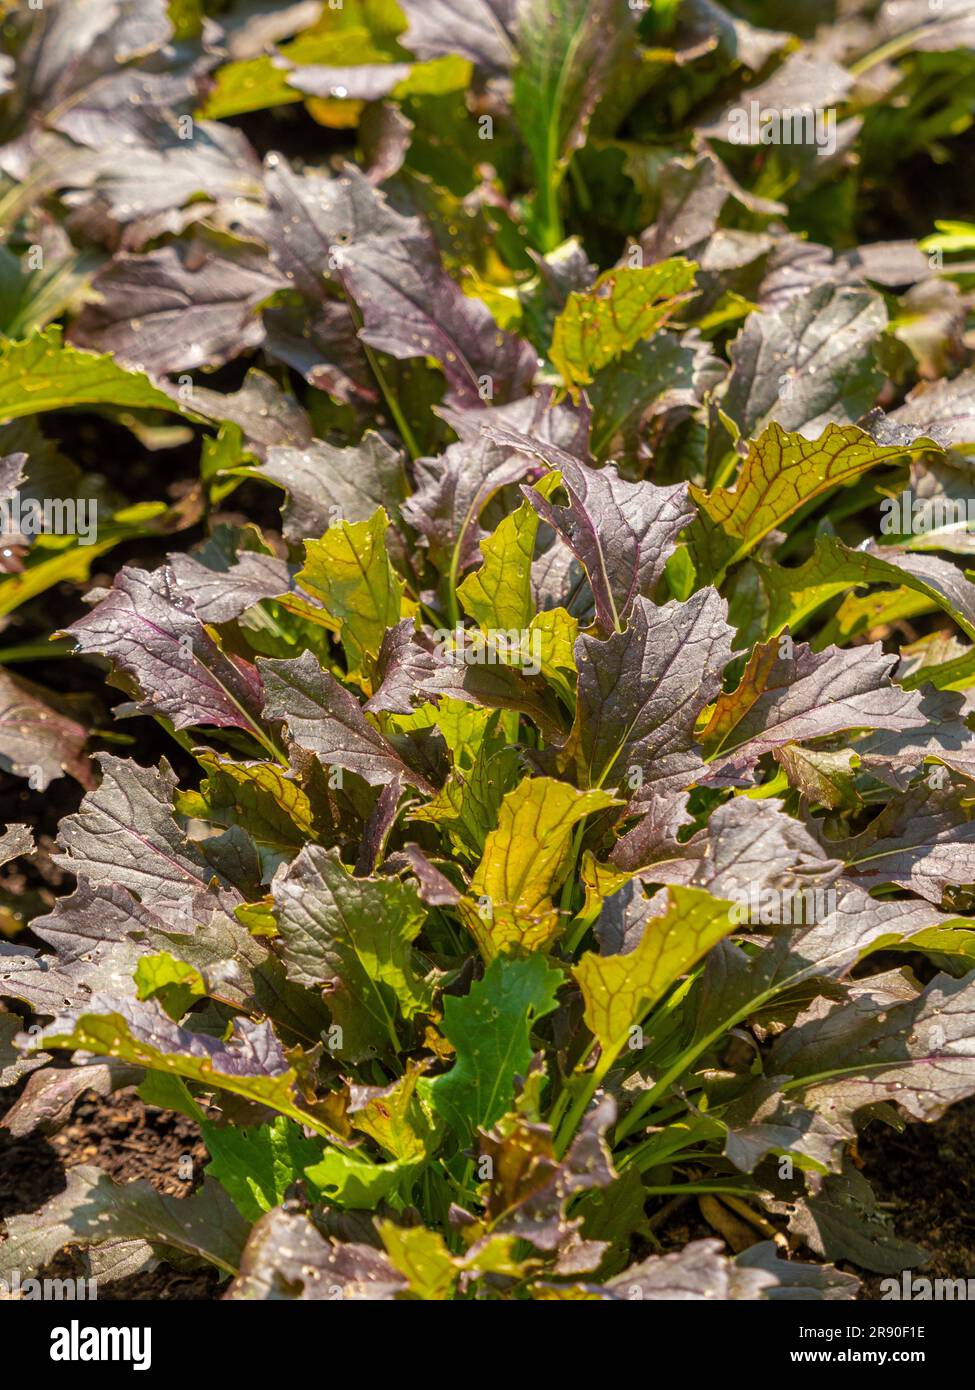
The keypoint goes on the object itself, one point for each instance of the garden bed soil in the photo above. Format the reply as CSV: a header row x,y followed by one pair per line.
x,y
127,1140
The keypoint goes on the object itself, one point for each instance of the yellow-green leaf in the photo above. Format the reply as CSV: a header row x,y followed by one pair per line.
x,y
823,776
731,706
237,1067
484,767
356,1184
175,984
395,1116
527,856
552,638
619,990
43,373
423,1259
781,473
259,796
350,570
353,936
498,594
623,307
335,40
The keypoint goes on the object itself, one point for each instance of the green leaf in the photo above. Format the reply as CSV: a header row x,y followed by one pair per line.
x,y
186,17
395,1116
834,568
618,991
555,631
649,380
484,768
781,473
254,84
350,570
63,559
525,860
43,373
358,1185
498,595
29,299
339,38
525,856
950,236
623,307
256,1165
567,50
262,798
353,935
251,1064
423,1257
174,983
169,1093
956,672
824,778
490,1027
859,613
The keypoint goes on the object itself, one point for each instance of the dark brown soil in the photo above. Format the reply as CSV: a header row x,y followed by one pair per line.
x,y
127,1140
926,1178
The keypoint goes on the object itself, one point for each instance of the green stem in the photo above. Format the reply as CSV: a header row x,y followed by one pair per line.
x,y
567,887
579,1106
606,1061
686,1059
565,1095
509,725
817,1078
393,404
689,1189
579,184
671,1144
778,785
453,608
37,651
574,937
269,745
727,469
893,48
549,219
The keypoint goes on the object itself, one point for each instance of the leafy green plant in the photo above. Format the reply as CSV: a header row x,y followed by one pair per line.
x,y
568,807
